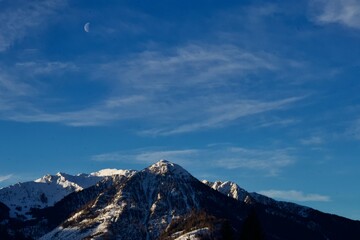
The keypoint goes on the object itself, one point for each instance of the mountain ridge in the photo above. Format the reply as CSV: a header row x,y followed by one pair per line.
x,y
49,189
162,201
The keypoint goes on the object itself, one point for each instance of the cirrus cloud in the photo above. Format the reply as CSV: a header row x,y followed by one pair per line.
x,y
5,177
270,162
293,195
21,19
345,12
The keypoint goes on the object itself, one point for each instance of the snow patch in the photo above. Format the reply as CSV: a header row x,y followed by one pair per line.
x,y
193,235
229,189
112,171
163,167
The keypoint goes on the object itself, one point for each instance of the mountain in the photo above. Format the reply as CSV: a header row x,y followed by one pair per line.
x,y
231,189
164,201
143,206
46,191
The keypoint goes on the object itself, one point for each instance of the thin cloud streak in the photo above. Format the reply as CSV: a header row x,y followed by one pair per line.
x,y
190,66
221,115
41,68
110,110
158,81
293,195
10,87
272,162
5,177
17,22
148,156
313,140
277,122
345,12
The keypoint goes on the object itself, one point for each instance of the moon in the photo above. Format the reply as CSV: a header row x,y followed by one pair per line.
x,y
87,27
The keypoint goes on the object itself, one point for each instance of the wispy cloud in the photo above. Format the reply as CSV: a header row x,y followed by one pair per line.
x,y
345,12
219,156
11,87
13,93
22,18
45,67
183,89
20,89
313,140
276,122
148,156
110,110
293,195
218,116
269,161
191,65
5,177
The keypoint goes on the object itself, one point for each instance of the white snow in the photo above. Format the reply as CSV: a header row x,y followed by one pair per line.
x,y
49,189
229,189
193,235
163,166
42,192
60,233
112,171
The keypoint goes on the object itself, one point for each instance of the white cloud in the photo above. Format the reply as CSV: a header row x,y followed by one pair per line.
x,y
269,161
51,67
19,20
13,94
11,87
220,115
110,110
20,89
277,122
148,156
345,12
293,195
313,140
190,66
20,80
5,177
174,91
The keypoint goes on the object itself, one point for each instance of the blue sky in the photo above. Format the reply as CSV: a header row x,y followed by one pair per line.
x,y
263,93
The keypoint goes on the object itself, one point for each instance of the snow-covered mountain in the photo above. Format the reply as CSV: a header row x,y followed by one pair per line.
x,y
140,207
48,190
231,189
164,201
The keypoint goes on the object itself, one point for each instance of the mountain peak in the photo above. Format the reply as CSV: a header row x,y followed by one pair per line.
x,y
230,189
163,167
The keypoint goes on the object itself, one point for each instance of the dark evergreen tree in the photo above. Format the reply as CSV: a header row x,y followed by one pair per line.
x,y
251,229
226,231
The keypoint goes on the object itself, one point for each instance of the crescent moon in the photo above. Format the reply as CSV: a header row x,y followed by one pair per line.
x,y
87,27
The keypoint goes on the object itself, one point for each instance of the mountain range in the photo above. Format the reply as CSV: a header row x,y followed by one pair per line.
x,y
162,201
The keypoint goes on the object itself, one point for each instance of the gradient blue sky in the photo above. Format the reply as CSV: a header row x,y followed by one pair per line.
x,y
263,93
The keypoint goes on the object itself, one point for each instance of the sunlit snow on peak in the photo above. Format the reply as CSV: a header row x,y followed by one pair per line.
x,y
164,167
